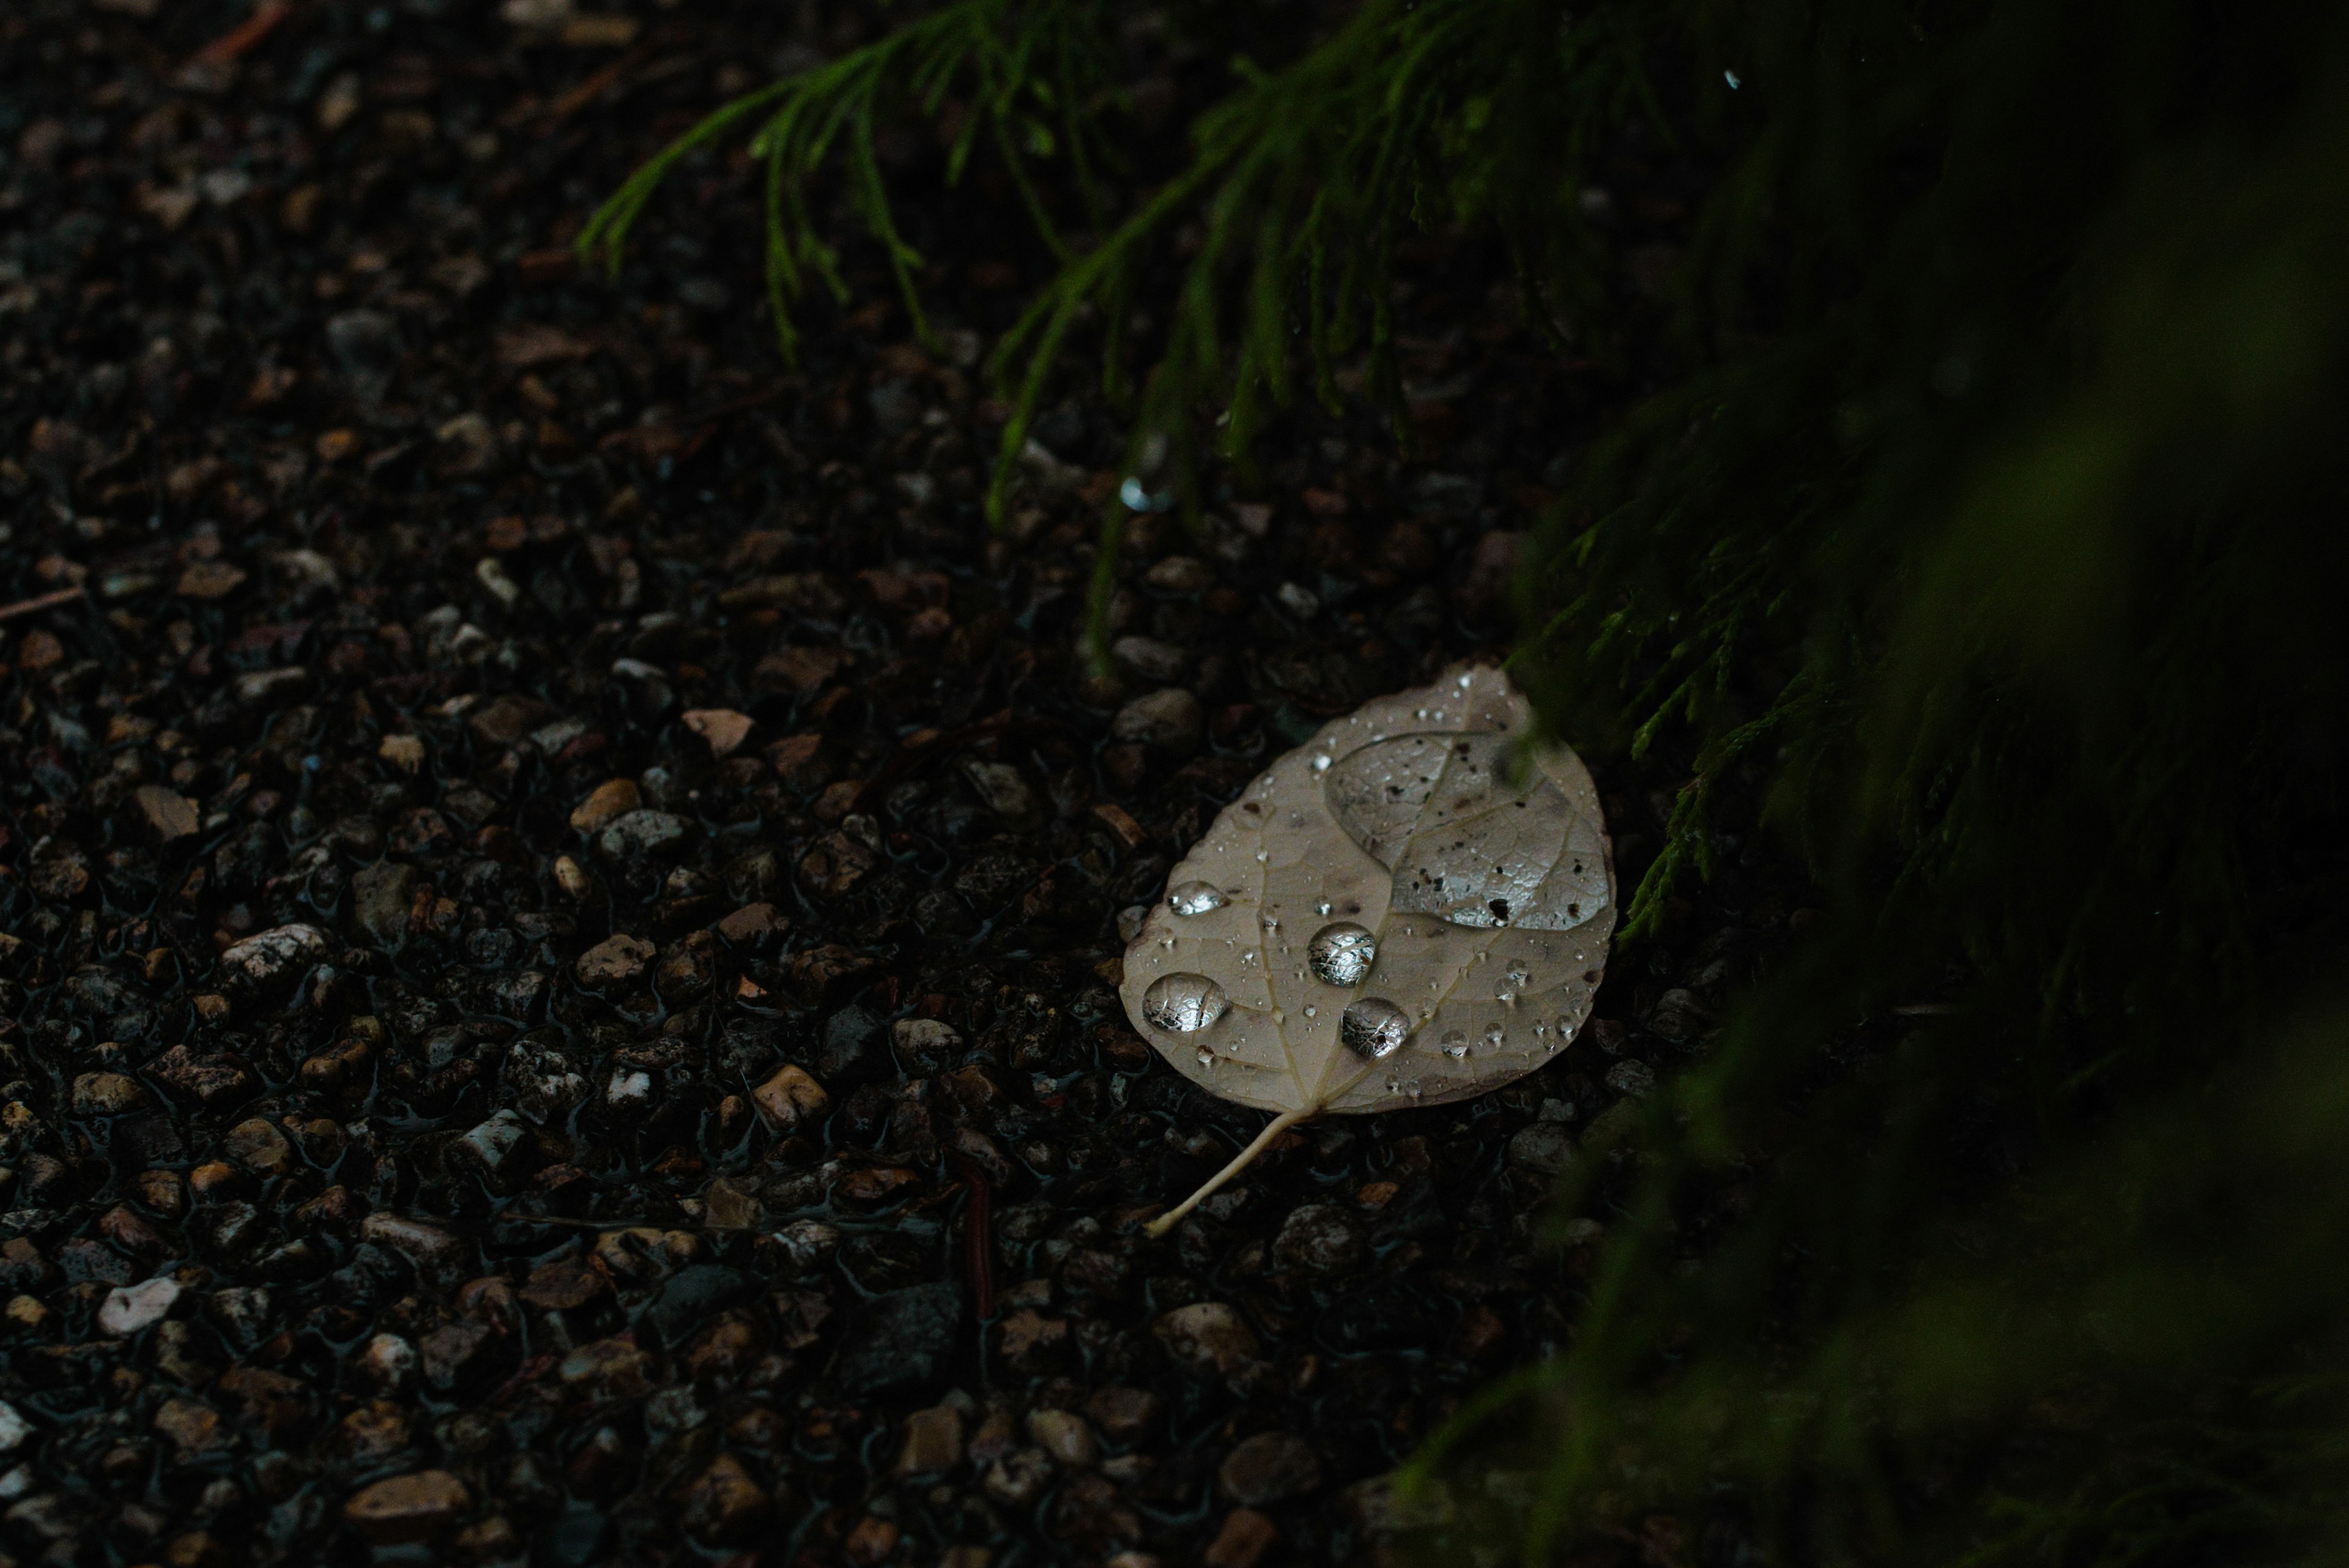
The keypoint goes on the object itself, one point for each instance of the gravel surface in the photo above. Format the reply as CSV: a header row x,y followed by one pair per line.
x,y
563,899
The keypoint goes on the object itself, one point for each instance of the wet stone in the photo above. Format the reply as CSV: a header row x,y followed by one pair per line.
x,y
130,1308
1172,720
275,958
925,1046
932,1442
724,1503
1124,1417
901,1341
1063,1436
1543,1147
614,962
608,802
1321,1238
1271,1467
105,1094
1242,1540
1149,660
644,832
1209,1338
380,897
694,1295
410,1507
167,814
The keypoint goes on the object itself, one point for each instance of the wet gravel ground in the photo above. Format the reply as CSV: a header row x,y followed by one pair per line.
x,y
562,900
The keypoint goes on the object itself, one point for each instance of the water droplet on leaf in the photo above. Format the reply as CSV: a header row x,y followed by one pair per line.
x,y
1342,954
1183,1003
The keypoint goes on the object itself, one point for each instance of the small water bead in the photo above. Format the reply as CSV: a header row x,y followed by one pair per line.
x,y
1207,1057
1183,1003
1495,1034
1373,1027
1194,898
1455,1045
1342,954
1311,1011
1322,764
1322,907
1520,976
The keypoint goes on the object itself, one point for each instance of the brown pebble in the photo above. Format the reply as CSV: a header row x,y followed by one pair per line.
x,y
409,1508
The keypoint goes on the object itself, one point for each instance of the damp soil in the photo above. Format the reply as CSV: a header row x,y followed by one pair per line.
x,y
563,896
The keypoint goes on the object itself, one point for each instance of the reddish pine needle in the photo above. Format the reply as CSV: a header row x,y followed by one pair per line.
x,y
242,37
978,1241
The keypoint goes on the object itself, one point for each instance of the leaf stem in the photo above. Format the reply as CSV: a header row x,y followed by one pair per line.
x,y
1272,1130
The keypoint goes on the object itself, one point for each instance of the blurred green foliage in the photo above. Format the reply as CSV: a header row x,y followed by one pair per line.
x,y
1988,526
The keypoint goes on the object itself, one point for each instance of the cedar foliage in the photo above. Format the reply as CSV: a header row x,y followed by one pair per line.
x,y
1988,529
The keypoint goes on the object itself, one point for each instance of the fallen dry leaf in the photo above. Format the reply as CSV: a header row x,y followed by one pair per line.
x,y
1393,915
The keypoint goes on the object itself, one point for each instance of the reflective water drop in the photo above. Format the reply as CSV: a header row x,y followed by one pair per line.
x,y
1520,976
1455,1045
1322,764
1322,907
1373,1027
1194,898
1207,1057
1342,954
1183,1003
1494,1034
1311,1011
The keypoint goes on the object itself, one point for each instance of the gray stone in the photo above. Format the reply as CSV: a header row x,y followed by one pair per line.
x,y
614,962
1321,1238
1271,1467
1065,1437
437,1255
1208,1336
1171,719
925,1046
1000,786
1635,1079
642,832
130,1308
900,1341
273,957
380,895
1147,659
932,1443
1544,1146
693,1295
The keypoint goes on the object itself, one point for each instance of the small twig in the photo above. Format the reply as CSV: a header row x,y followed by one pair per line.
x,y
237,40
1272,1130
595,86
39,602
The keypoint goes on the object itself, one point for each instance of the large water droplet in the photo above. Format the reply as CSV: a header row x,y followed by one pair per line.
x,y
1183,1003
1342,954
1373,1027
1194,898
